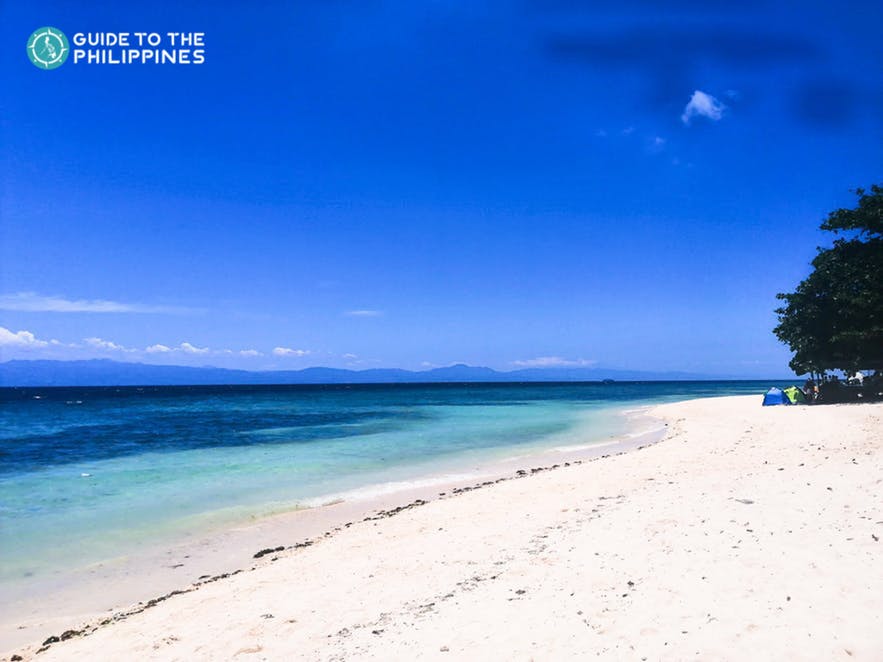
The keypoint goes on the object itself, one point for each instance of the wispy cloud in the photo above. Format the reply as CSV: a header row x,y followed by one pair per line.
x,y
652,143
288,351
105,345
702,104
158,349
95,346
32,302
22,339
553,362
193,349
364,313
656,144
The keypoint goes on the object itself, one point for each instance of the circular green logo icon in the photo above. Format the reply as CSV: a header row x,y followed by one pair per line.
x,y
48,48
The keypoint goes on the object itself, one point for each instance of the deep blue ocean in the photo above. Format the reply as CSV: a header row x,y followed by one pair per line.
x,y
92,473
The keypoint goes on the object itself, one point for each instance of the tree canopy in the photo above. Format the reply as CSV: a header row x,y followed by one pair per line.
x,y
834,319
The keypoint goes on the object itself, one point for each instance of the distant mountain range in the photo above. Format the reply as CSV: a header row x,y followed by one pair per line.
x,y
104,372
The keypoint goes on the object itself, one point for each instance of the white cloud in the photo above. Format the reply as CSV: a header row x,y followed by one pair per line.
x,y
629,130
703,105
192,349
94,344
287,351
552,362
32,302
364,313
350,356
105,345
19,339
158,349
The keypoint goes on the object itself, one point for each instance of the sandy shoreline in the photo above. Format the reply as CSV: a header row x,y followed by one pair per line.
x,y
34,610
748,533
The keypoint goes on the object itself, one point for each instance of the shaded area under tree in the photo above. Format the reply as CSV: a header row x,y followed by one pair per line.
x,y
834,318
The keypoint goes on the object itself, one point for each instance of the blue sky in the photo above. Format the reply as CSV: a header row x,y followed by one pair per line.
x,y
407,184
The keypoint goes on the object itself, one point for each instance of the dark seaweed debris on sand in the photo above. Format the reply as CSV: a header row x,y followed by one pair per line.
x,y
381,514
123,615
268,550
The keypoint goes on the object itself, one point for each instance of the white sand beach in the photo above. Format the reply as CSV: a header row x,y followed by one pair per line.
x,y
747,533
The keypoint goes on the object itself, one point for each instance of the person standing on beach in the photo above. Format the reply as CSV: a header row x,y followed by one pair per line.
x,y
809,390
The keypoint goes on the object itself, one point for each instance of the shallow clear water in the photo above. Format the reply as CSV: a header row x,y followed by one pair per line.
x,y
92,473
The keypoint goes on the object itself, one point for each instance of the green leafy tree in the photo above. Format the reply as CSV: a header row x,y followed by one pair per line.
x,y
834,319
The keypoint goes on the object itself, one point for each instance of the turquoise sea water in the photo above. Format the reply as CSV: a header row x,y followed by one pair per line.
x,y
92,473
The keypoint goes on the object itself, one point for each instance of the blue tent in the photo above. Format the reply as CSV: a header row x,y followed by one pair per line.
x,y
775,396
